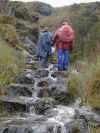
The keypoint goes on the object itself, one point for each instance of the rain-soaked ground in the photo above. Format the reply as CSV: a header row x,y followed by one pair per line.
x,y
40,103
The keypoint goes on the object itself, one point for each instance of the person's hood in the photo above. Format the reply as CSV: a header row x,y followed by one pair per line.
x,y
65,23
44,31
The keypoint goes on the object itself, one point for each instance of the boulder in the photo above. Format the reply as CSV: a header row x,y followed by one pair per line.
x,y
41,73
25,78
58,74
77,126
28,127
89,116
45,10
43,104
60,94
19,90
96,110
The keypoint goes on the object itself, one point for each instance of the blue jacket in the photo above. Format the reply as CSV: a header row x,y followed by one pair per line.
x,y
44,44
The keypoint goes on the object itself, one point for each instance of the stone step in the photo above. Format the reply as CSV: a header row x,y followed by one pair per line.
x,y
26,104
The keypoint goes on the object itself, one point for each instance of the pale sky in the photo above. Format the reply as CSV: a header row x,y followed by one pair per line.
x,y
59,3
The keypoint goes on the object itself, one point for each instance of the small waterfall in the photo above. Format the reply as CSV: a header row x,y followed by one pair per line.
x,y
51,70
64,115
61,126
77,103
63,129
29,104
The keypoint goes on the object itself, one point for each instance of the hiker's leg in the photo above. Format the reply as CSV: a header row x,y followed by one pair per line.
x,y
43,62
66,59
60,55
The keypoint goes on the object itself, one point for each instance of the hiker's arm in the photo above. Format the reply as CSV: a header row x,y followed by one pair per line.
x,y
54,39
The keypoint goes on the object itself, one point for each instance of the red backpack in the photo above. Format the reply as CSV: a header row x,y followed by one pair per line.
x,y
66,34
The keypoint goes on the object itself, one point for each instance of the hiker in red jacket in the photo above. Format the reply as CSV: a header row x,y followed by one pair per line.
x,y
63,37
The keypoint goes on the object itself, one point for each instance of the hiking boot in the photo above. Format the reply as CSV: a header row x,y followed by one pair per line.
x,y
64,69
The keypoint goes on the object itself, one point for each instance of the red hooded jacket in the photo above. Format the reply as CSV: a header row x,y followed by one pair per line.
x,y
63,37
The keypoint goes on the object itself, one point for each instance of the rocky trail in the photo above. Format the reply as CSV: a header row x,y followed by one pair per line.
x,y
40,103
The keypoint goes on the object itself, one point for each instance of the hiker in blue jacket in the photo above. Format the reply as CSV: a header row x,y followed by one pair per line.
x,y
44,45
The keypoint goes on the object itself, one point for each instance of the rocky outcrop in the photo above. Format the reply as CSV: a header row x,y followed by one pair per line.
x,y
41,97
19,90
45,10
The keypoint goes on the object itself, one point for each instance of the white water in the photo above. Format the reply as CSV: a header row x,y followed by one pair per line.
x,y
64,115
51,70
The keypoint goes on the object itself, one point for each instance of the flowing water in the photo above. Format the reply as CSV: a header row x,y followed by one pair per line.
x,y
41,114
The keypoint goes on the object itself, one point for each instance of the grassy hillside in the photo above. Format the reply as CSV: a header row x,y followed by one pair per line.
x,y
20,20
11,63
85,20
15,28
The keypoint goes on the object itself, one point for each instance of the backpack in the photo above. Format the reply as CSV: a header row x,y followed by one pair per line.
x,y
66,33
48,38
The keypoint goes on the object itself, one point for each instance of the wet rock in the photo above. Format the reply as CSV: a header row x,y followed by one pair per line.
x,y
19,90
46,10
57,74
16,130
27,57
19,15
41,73
30,45
44,104
20,26
28,127
77,126
96,110
16,104
88,115
40,91
33,39
60,94
23,13
25,79
42,84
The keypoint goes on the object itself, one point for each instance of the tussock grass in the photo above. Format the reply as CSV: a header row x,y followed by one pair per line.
x,y
92,77
86,81
11,63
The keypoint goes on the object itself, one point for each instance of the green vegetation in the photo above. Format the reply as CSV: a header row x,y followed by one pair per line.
x,y
11,29
86,82
11,63
76,129
85,20
93,129
92,77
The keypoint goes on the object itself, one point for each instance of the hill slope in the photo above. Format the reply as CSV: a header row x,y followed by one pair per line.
x,y
19,31
85,20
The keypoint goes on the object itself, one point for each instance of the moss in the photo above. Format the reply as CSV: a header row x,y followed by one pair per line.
x,y
45,93
76,129
5,19
72,87
1,110
8,33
